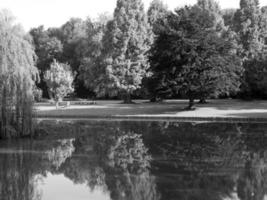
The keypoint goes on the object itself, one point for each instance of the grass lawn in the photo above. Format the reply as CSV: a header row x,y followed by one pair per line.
x,y
168,109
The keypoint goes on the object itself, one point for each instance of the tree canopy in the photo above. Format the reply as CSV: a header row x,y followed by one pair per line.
x,y
17,78
59,79
192,58
128,42
112,54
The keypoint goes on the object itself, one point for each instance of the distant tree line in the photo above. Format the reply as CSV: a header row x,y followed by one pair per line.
x,y
194,52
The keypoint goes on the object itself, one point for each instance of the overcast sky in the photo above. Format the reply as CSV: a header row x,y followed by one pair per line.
x,y
53,13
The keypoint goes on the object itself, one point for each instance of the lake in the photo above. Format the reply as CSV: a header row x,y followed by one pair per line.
x,y
136,160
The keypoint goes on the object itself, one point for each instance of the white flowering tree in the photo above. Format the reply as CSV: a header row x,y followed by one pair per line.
x,y
59,80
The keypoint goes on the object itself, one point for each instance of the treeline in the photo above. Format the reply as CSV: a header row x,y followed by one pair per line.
x,y
195,52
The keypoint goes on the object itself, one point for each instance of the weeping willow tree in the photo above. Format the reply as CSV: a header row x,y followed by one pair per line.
x,y
17,77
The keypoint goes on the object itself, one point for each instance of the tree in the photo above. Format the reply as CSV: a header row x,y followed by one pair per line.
x,y
73,33
214,11
17,78
156,11
228,16
192,58
210,9
59,79
246,25
92,47
256,76
47,48
151,86
128,42
263,25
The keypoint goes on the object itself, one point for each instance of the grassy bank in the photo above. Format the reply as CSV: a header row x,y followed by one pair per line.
x,y
167,109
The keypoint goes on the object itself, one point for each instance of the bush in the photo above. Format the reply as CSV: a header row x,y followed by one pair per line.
x,y
59,80
37,94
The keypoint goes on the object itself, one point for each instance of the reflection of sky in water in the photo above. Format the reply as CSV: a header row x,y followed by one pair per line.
x,y
59,187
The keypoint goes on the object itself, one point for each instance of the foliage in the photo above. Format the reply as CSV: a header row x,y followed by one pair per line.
x,y
193,58
59,79
58,155
129,153
126,43
17,76
73,32
213,10
254,79
263,25
156,11
124,151
46,48
62,44
256,76
92,46
246,25
37,94
228,16
110,54
249,26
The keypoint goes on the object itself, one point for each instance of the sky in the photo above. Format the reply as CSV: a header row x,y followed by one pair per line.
x,y
54,13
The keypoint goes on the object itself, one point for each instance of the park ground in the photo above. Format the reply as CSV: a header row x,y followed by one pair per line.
x,y
172,109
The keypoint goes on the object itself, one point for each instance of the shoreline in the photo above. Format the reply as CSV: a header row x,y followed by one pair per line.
x,y
170,110
137,118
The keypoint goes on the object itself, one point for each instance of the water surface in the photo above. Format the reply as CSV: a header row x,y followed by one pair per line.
x,y
106,160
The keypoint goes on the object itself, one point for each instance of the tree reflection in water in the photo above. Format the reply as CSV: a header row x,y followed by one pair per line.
x,y
252,181
141,160
126,163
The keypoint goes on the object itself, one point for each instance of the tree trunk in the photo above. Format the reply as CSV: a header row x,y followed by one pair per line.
x,y
127,98
4,113
57,104
202,100
191,104
156,99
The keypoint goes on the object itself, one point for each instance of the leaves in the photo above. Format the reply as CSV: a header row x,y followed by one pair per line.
x,y
193,56
17,76
59,79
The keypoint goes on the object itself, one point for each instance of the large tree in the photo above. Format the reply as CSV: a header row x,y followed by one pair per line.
x,y
256,67
152,87
73,32
17,77
92,47
191,58
210,11
47,48
246,25
127,43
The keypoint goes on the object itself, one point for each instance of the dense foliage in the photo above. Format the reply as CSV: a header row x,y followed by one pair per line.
x,y
59,79
128,41
17,76
204,61
119,56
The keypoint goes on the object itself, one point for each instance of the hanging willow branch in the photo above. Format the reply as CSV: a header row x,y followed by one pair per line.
x,y
17,77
